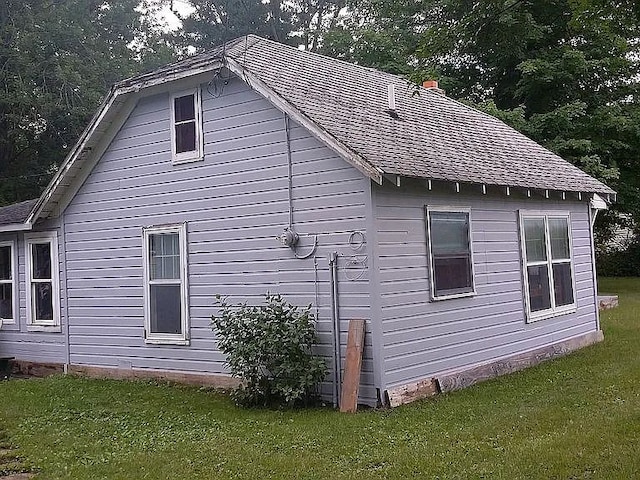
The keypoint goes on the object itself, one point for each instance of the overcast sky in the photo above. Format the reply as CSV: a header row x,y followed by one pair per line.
x,y
167,16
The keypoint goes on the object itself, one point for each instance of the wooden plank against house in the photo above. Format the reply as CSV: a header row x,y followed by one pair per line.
x,y
412,392
351,382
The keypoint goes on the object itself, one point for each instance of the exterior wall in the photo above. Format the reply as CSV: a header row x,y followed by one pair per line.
x,y
15,340
235,203
423,338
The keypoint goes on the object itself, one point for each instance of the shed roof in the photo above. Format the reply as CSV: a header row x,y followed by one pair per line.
x,y
16,213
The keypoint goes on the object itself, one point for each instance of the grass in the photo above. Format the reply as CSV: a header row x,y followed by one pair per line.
x,y
572,418
10,463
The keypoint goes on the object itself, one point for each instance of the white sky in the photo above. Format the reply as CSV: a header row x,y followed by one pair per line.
x,y
168,17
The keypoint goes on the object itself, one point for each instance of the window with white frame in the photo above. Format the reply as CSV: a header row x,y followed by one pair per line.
x,y
186,126
43,286
451,259
165,265
548,268
7,282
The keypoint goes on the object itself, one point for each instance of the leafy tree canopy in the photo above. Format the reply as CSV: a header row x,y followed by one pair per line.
x,y
563,72
296,22
58,60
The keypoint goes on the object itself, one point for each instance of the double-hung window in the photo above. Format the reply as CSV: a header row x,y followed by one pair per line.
x,y
186,126
548,268
165,276
7,283
43,286
451,259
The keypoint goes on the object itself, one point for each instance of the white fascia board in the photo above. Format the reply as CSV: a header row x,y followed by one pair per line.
x,y
98,149
16,227
598,203
170,77
284,106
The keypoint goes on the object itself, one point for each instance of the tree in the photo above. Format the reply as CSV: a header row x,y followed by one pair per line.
x,y
382,34
296,22
58,60
215,21
564,72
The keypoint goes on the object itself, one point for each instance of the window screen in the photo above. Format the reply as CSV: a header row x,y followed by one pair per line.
x,y
450,253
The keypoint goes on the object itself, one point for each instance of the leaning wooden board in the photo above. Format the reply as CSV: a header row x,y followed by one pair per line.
x,y
353,366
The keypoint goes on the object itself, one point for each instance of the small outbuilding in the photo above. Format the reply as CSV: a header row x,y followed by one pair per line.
x,y
255,167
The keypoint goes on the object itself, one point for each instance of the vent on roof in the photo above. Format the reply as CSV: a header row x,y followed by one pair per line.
x,y
433,85
391,97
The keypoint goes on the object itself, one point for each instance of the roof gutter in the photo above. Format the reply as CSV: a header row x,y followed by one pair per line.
x,y
283,105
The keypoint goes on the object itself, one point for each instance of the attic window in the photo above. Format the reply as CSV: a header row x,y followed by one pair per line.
x,y
186,126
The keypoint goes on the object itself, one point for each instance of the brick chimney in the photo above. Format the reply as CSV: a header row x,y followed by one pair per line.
x,y
433,85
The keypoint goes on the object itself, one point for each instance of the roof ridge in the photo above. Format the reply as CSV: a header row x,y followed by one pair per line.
x,y
326,57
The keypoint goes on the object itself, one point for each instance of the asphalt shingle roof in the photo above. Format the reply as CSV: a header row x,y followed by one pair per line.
x,y
16,213
435,137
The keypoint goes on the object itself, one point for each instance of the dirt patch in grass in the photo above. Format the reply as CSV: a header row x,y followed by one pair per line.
x,y
11,466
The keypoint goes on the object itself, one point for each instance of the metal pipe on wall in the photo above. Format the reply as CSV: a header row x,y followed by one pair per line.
x,y
287,130
335,317
593,213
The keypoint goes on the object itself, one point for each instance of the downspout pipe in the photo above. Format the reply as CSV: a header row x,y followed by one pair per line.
x,y
595,205
335,317
593,213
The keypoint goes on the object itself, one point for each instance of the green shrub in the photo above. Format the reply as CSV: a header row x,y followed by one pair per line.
x,y
624,263
269,348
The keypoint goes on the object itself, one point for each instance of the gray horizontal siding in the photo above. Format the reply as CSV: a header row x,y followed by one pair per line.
x,y
422,338
235,204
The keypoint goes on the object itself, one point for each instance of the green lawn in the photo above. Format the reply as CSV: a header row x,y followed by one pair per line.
x,y
576,417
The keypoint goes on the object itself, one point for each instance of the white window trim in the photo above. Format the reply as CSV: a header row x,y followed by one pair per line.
x,y
553,311
166,338
197,154
14,283
432,287
34,325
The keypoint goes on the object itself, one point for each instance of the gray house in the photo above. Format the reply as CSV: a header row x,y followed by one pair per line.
x,y
466,247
